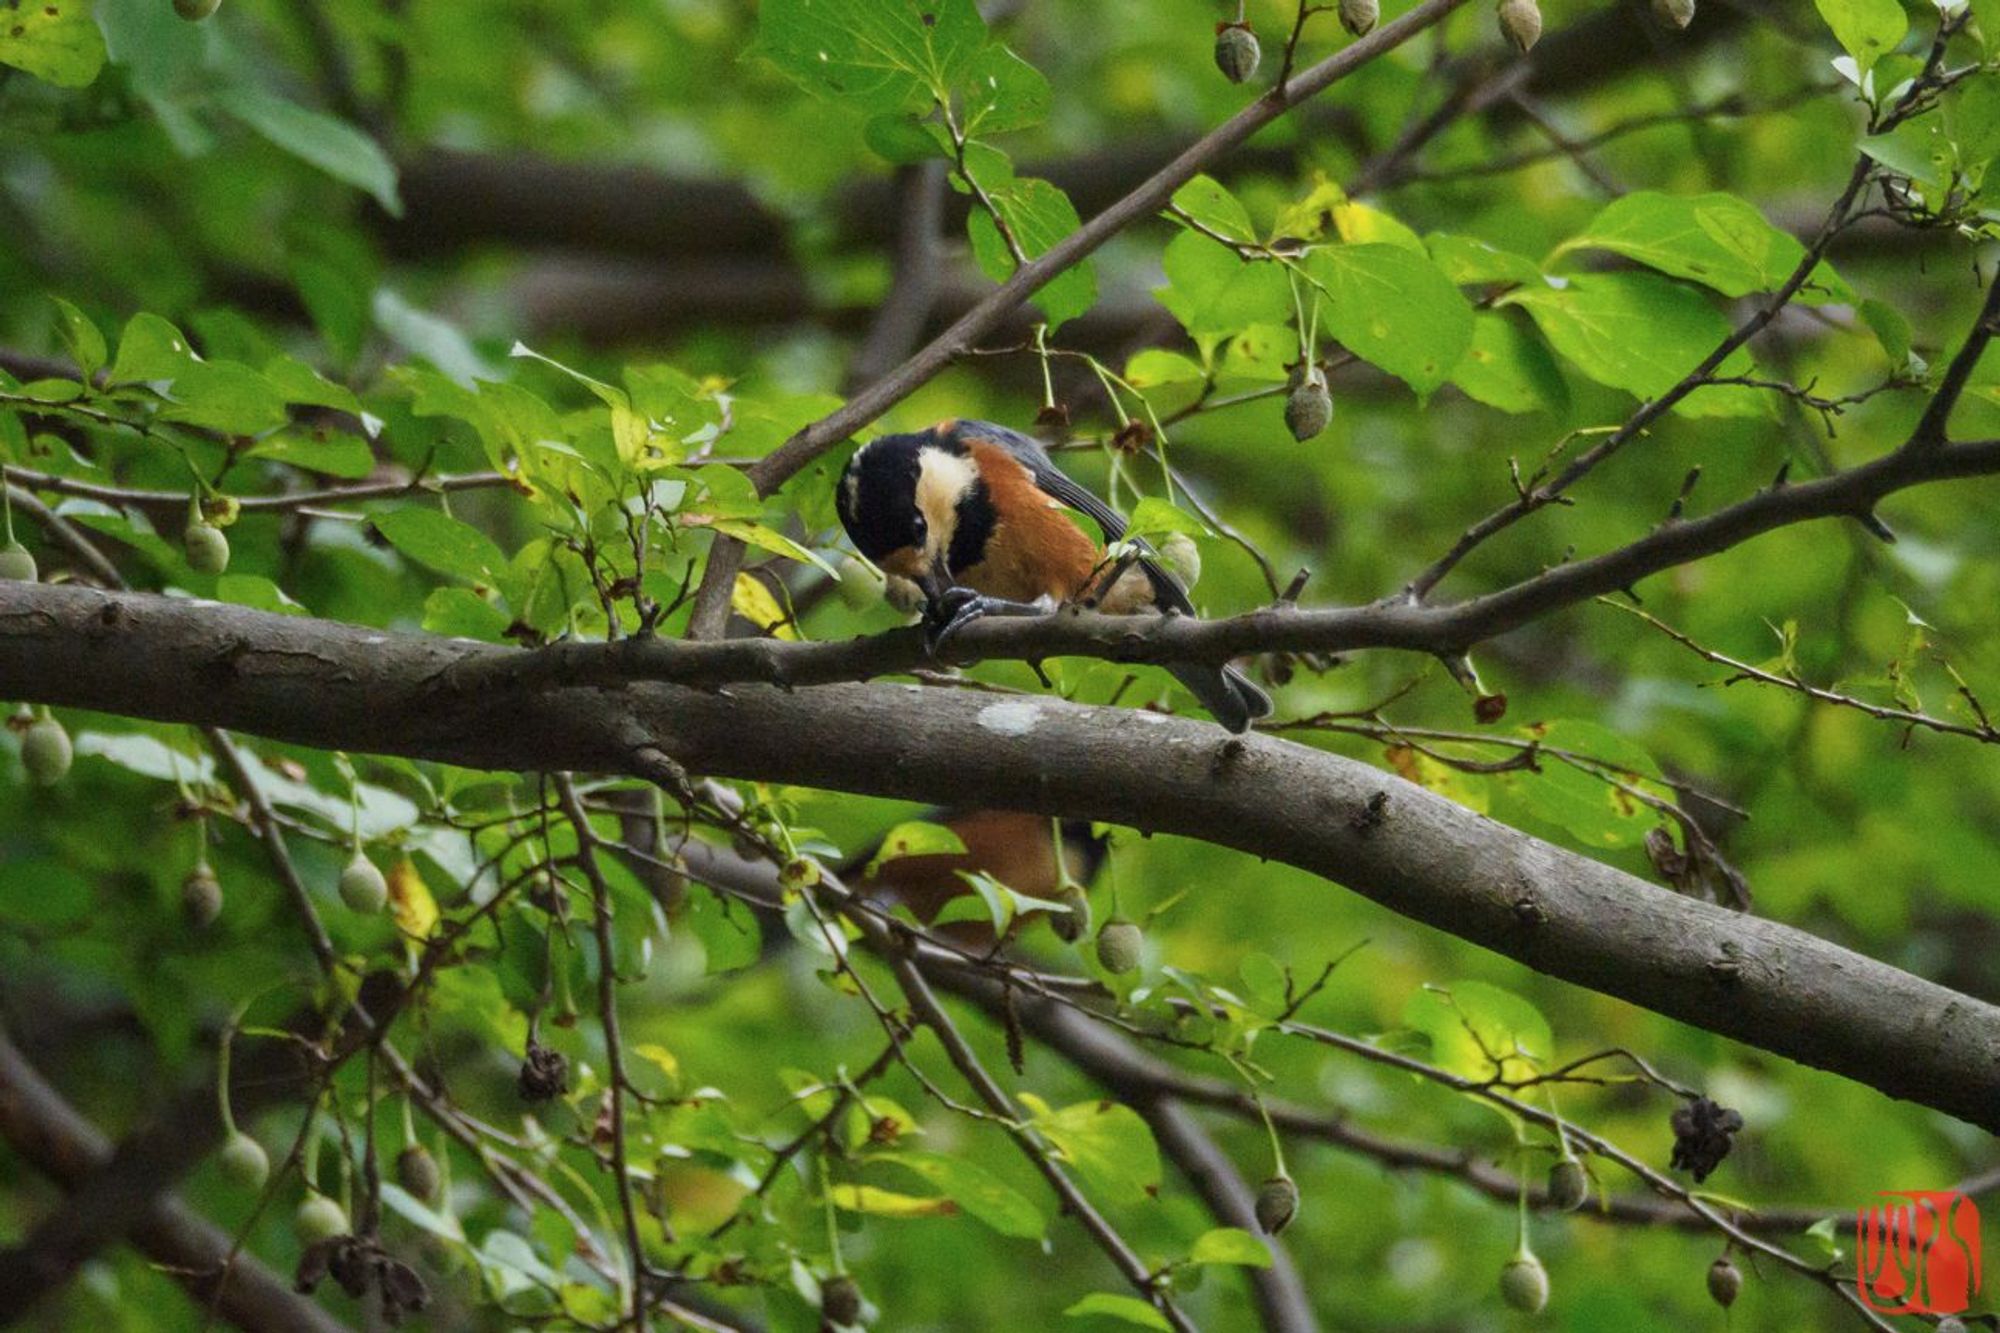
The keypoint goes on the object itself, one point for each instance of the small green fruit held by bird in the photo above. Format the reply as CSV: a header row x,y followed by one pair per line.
x,y
318,1218
1524,1283
207,548
1277,1204
1237,52
46,752
1120,945
244,1161
860,586
1181,557
362,886
17,562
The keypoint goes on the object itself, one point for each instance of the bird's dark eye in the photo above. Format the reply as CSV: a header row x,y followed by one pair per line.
x,y
920,528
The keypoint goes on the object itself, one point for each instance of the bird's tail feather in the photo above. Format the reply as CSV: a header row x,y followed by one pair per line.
x,y
1226,693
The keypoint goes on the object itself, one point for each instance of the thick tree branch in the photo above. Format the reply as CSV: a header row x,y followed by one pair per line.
x,y
335,686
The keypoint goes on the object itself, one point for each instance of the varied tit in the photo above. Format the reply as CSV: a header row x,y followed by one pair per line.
x,y
972,513
1016,849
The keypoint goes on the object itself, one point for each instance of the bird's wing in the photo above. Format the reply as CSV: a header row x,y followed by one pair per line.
x,y
1054,482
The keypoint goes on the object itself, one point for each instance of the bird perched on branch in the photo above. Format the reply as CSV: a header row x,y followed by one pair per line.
x,y
973,514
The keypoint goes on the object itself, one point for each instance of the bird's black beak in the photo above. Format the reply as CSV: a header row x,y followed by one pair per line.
x,y
936,581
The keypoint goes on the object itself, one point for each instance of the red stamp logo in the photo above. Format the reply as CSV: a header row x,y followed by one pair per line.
x,y
1918,1254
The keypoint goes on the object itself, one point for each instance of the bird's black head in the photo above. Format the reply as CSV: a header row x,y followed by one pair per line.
x,y
878,496
916,504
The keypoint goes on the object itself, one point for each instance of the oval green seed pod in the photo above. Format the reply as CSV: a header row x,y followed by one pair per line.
x,y
1521,23
362,886
1569,1185
46,752
1236,52
840,1299
244,1161
1725,1279
201,897
1277,1204
318,1218
17,562
1120,945
417,1171
207,549
1524,1283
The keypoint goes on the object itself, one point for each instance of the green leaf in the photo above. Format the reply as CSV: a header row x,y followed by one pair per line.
x,y
1714,239
254,590
1262,352
1107,1143
441,543
300,383
728,931
1153,516
81,337
462,613
980,1193
1591,809
331,144
1230,1245
1509,368
1129,1309
1866,29
1038,215
882,55
54,40
1633,331
1391,306
335,453
225,396
900,137
916,837
1209,203
1003,92
1467,260
1156,366
1480,1031
1210,290
1891,330
150,349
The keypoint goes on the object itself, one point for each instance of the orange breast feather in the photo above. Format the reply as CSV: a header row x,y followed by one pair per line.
x,y
1036,550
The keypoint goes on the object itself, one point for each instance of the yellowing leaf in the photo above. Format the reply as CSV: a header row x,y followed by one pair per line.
x,y
888,1203
660,1057
410,901
754,602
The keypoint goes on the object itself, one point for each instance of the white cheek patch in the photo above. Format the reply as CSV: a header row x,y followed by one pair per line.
x,y
1012,718
942,479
